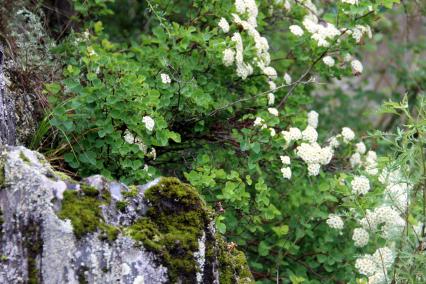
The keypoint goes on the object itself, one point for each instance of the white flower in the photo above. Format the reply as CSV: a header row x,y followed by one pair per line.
x,y
128,137
366,265
272,130
348,134
360,147
333,142
273,111
259,122
286,172
357,67
271,98
165,78
228,57
149,122
384,257
355,160
352,2
293,134
287,5
328,60
313,119
313,169
335,222
360,237
310,134
223,24
285,160
296,30
360,185
272,85
270,72
287,79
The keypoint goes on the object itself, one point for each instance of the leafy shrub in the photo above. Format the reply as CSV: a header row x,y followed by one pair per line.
x,y
192,90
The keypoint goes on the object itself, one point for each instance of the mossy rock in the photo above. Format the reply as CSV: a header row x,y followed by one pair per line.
x,y
83,209
176,220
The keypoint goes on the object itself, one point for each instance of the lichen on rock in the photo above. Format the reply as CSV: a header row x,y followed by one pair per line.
x,y
57,230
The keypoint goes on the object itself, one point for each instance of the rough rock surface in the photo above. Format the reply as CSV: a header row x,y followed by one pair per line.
x,y
7,109
56,230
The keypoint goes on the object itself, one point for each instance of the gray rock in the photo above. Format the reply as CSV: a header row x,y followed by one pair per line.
x,y
40,245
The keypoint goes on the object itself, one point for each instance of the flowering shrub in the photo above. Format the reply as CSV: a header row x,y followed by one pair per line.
x,y
207,91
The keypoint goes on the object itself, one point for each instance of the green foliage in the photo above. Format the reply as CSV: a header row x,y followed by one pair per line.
x,y
204,127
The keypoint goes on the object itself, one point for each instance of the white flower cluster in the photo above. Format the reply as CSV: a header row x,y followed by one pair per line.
x,y
335,222
352,2
322,32
359,31
357,67
368,161
286,170
165,78
347,134
293,134
149,122
360,237
375,266
224,25
329,61
397,189
131,139
260,122
248,10
296,30
360,185
385,219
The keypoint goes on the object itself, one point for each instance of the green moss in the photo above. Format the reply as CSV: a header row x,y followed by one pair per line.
x,y
175,221
83,209
24,158
121,205
133,192
4,258
233,267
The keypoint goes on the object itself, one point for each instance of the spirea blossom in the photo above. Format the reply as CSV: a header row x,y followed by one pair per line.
x,y
310,134
286,172
149,122
285,160
228,57
296,30
271,98
329,61
360,147
259,122
272,132
366,265
314,169
355,160
352,2
313,119
287,79
357,67
165,78
272,85
360,185
347,134
223,24
273,111
293,134
360,237
270,72
335,222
